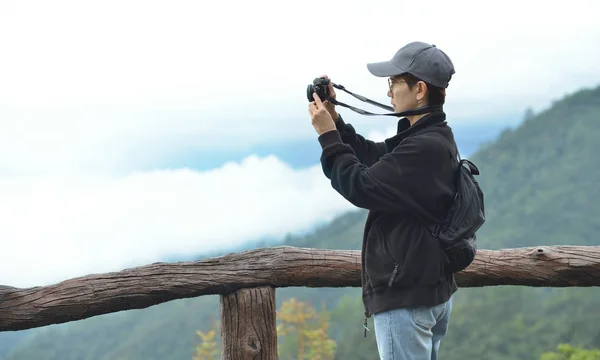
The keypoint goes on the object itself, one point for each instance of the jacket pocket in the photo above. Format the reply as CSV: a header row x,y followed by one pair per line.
x,y
389,256
382,265
393,276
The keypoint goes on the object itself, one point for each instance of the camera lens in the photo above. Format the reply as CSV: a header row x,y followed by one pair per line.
x,y
309,92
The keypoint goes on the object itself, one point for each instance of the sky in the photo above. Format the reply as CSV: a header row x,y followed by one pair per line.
x,y
99,99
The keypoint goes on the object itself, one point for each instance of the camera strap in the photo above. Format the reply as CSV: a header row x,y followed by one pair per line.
x,y
417,111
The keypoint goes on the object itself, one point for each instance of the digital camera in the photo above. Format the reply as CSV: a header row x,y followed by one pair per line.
x,y
320,86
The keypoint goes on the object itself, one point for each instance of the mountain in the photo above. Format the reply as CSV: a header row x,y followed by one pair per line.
x,y
539,182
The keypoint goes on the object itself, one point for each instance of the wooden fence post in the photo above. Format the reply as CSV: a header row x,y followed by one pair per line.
x,y
248,327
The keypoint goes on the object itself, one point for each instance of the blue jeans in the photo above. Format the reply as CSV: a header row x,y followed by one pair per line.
x,y
411,333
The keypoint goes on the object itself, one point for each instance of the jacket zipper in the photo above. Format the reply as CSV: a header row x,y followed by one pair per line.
x,y
393,276
367,315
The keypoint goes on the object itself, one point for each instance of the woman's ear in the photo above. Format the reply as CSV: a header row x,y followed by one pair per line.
x,y
421,91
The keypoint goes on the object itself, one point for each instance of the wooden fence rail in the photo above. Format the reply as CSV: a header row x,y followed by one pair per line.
x,y
246,282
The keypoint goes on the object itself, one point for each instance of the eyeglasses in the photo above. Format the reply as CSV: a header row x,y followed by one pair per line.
x,y
392,81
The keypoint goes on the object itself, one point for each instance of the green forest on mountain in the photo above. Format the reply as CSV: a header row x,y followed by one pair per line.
x,y
540,184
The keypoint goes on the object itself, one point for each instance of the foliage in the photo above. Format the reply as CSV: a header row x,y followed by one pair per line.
x,y
208,348
568,352
304,332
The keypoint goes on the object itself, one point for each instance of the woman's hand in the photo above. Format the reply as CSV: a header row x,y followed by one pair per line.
x,y
320,116
328,105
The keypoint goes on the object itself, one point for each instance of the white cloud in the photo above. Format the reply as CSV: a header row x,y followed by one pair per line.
x,y
378,135
54,228
236,71
104,140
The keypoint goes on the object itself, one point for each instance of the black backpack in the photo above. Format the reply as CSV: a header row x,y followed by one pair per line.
x,y
457,232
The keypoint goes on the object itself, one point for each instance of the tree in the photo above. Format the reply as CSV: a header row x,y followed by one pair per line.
x,y
321,347
208,348
568,352
304,332
528,114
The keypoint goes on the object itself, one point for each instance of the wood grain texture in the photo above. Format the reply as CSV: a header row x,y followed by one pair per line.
x,y
248,327
144,286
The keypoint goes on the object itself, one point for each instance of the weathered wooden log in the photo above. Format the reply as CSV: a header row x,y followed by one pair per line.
x,y
540,266
144,286
248,327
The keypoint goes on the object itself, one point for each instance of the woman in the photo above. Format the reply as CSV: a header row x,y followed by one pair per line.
x,y
406,183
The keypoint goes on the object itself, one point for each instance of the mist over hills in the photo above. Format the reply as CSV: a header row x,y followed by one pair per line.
x,y
306,152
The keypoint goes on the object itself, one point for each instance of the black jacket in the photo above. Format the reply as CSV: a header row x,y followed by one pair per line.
x,y
404,182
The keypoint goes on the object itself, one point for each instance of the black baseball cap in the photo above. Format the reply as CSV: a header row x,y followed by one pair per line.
x,y
420,59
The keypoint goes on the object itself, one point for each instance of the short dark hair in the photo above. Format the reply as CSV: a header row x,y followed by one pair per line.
x,y
437,95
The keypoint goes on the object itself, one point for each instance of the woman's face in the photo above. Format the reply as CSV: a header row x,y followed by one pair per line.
x,y
404,98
